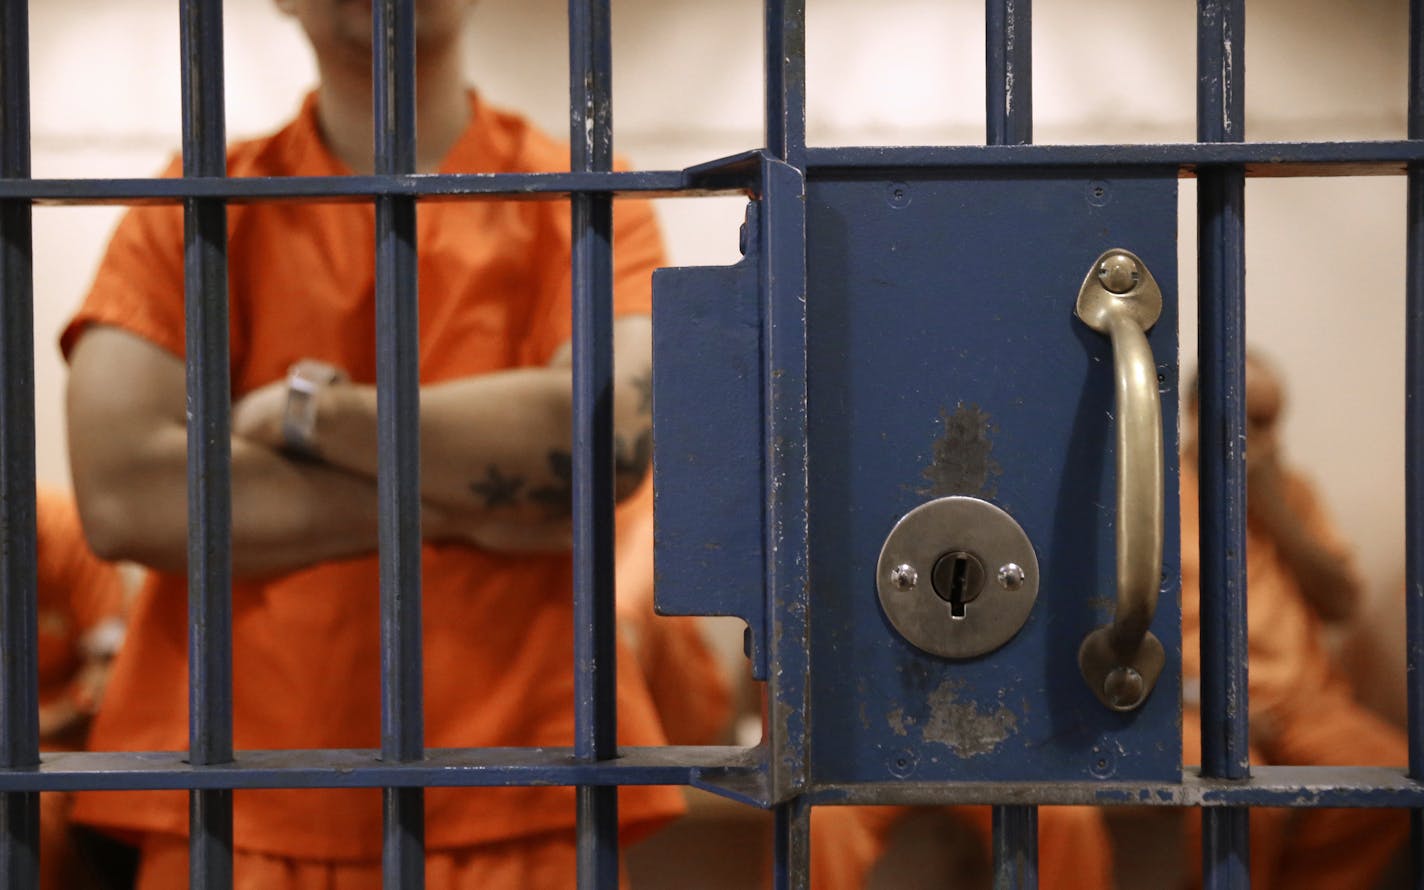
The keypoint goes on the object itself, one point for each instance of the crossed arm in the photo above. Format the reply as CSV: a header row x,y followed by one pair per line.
x,y
494,458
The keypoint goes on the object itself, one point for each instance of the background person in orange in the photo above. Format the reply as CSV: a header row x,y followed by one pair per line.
x,y
1074,849
80,605
495,433
1300,576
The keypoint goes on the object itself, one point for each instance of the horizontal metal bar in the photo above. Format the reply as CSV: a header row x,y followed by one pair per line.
x,y
726,178
499,186
1259,158
1274,786
364,768
1269,786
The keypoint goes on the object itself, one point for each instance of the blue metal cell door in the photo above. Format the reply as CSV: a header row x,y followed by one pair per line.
x,y
945,368
944,358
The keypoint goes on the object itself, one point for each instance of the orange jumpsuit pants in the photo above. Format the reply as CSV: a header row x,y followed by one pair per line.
x,y
1074,850
546,862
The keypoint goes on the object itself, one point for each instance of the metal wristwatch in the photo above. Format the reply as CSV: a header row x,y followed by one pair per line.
x,y
305,380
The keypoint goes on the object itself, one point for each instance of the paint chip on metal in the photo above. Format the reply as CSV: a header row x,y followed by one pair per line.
x,y
961,725
963,463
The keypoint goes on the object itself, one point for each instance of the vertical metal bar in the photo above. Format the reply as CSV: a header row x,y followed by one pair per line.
x,y
1222,354
1416,846
209,444
783,285
791,849
1008,59
1225,847
1008,120
779,221
786,80
595,668
1222,357
398,437
1015,848
19,670
1414,435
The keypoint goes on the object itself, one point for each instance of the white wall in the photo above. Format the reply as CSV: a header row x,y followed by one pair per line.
x,y
1325,256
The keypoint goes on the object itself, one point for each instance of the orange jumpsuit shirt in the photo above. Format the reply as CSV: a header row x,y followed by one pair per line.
x,y
76,592
688,682
494,294
1284,640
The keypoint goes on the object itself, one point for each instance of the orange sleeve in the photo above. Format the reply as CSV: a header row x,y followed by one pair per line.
x,y
139,285
637,251
69,573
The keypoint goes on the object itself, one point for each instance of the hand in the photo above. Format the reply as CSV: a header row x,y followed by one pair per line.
x,y
64,720
60,721
1268,494
1265,474
87,690
257,416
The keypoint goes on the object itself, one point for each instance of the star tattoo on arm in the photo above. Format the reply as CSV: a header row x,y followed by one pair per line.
x,y
497,489
557,495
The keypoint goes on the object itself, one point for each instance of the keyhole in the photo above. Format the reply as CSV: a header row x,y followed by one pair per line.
x,y
958,579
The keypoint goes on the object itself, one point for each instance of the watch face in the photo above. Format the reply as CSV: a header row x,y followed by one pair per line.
x,y
299,418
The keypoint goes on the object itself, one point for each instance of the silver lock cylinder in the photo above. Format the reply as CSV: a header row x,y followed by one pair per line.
x,y
957,577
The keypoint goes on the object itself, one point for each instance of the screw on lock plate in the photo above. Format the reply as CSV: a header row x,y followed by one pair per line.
x,y
957,577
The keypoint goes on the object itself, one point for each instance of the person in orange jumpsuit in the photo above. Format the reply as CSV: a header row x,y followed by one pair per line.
x,y
1300,576
688,683
80,607
495,431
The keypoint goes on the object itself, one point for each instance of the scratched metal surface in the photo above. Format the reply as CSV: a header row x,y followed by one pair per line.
x,y
729,477
943,358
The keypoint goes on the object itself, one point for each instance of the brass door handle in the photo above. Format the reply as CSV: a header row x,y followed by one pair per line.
x,y
1122,661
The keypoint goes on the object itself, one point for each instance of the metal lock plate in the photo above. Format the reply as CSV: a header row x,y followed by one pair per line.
x,y
957,577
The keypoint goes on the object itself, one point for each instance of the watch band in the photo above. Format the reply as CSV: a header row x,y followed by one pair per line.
x,y
103,640
305,380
